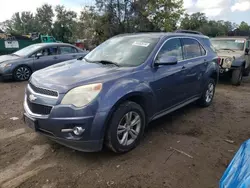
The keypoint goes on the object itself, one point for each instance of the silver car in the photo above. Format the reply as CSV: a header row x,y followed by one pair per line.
x,y
21,64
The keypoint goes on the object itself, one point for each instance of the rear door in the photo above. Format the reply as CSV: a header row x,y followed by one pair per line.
x,y
68,53
49,57
194,65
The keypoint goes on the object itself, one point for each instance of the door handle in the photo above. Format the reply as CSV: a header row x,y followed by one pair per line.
x,y
183,67
55,58
73,55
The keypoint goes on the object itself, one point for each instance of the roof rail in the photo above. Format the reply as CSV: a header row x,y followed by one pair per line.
x,y
188,31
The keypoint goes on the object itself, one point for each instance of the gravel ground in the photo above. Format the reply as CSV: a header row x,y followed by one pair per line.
x,y
29,160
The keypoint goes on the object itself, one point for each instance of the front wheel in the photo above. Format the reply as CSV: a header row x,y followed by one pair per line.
x,y
22,73
208,94
237,76
126,127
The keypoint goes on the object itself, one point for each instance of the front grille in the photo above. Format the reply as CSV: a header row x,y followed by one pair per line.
x,y
43,91
221,61
38,108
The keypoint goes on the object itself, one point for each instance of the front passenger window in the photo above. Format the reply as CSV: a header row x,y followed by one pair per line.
x,y
48,51
171,48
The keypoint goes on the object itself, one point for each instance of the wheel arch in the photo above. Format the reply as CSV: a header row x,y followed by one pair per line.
x,y
136,97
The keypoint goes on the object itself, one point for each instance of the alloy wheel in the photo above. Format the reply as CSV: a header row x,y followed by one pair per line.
x,y
210,92
129,128
22,73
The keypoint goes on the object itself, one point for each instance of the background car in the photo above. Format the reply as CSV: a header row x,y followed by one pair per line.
x,y
234,57
21,64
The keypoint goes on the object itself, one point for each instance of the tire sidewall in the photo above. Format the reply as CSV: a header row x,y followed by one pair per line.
x,y
115,120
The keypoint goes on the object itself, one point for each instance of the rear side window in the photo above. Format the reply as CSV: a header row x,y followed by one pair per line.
x,y
171,48
192,48
208,43
203,51
67,50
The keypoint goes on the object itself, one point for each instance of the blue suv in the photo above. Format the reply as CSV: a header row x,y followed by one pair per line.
x,y
108,97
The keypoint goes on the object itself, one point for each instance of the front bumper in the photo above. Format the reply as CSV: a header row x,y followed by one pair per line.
x,y
52,128
66,117
6,74
227,70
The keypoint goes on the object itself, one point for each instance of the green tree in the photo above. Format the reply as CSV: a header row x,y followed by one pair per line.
x,y
164,13
65,24
20,23
194,21
44,19
244,27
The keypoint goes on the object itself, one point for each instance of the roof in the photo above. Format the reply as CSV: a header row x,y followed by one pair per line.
x,y
52,44
163,34
231,37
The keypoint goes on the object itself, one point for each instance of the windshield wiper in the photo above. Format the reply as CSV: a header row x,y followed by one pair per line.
x,y
227,49
105,62
14,54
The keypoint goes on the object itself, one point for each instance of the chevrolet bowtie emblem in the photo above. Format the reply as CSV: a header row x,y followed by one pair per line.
x,y
32,97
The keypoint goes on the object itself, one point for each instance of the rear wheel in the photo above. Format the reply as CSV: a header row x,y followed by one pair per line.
x,y
22,73
208,94
237,76
126,127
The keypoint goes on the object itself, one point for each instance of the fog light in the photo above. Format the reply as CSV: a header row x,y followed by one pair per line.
x,y
78,130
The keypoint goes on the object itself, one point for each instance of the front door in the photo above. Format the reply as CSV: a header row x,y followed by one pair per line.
x,y
49,57
169,82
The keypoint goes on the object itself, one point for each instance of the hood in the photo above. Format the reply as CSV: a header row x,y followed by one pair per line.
x,y
10,57
73,73
229,53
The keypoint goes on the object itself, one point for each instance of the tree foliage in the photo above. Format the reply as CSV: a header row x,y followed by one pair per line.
x,y
112,17
44,18
198,21
65,24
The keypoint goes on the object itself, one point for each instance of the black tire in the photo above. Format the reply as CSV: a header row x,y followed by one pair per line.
x,y
203,101
246,71
22,73
237,76
112,138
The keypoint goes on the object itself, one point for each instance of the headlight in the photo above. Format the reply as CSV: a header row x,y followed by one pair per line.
x,y
228,62
83,95
4,65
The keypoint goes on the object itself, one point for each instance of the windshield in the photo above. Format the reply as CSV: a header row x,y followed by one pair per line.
x,y
228,44
124,50
26,51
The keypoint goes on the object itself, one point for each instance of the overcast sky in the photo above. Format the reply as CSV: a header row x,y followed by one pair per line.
x,y
230,10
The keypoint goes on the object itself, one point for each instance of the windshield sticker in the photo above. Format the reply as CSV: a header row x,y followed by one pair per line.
x,y
239,41
142,44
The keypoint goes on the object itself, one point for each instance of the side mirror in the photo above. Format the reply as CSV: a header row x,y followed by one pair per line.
x,y
166,60
38,55
247,51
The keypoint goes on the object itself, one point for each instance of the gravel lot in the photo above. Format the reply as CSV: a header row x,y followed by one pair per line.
x,y
29,160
